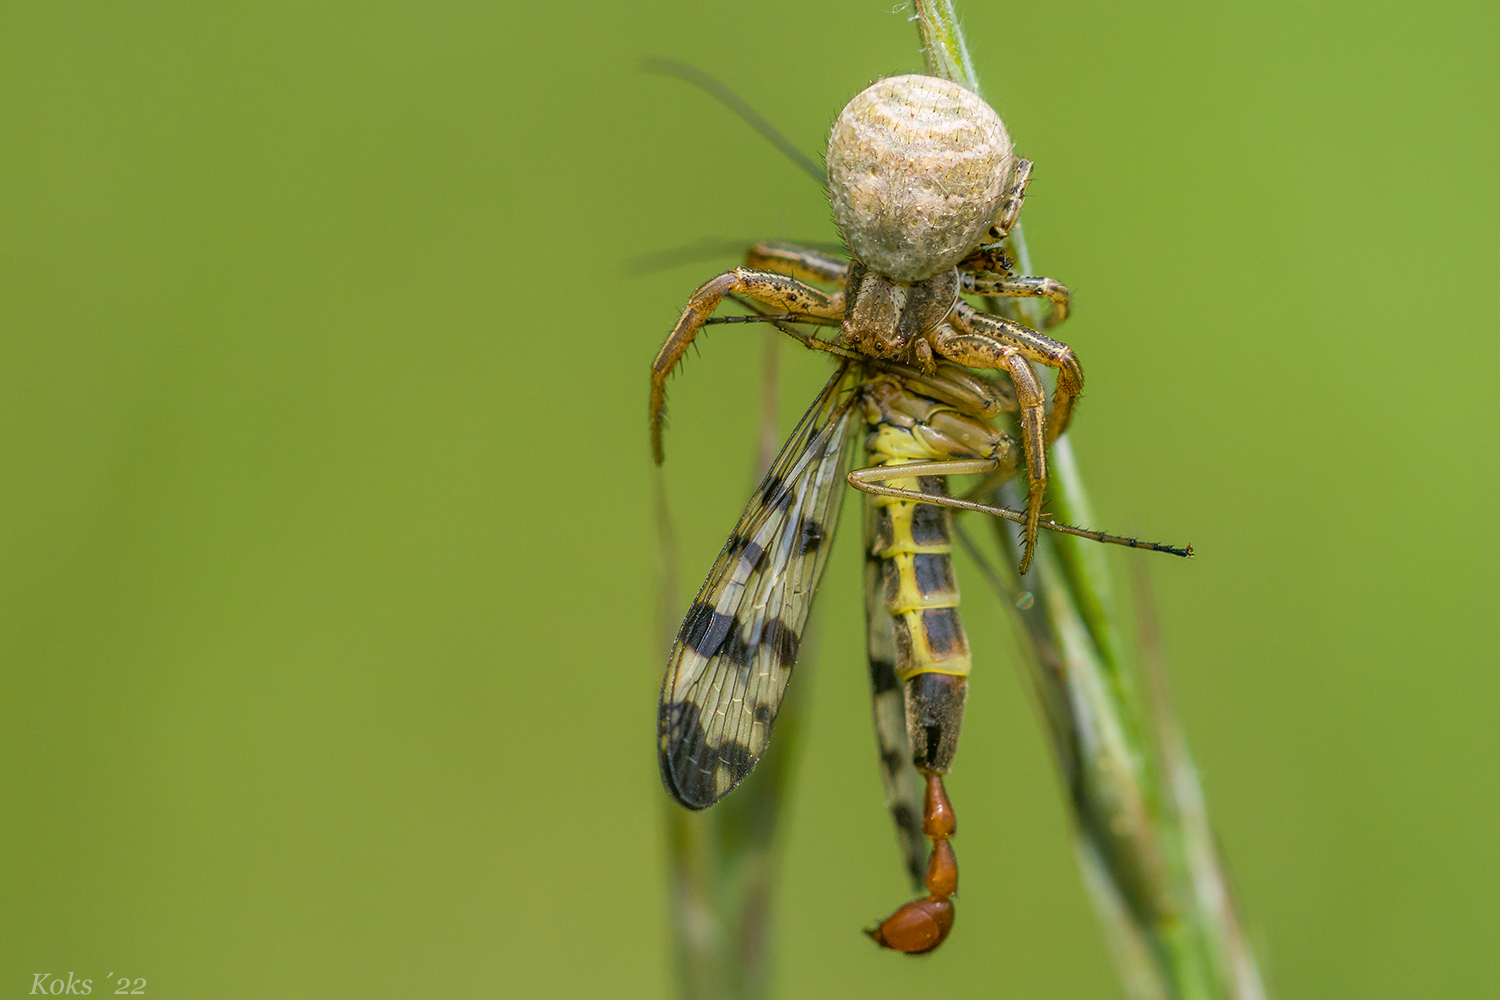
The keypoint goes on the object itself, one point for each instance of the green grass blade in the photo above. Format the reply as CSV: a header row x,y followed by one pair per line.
x,y
1143,840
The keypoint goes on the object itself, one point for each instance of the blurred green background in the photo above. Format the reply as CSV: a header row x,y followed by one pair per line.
x,y
327,567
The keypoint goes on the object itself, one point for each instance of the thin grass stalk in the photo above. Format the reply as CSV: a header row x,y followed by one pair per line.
x,y
1214,893
721,862
1142,841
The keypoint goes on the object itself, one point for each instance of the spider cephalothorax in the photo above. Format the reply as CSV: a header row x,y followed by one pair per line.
x,y
924,185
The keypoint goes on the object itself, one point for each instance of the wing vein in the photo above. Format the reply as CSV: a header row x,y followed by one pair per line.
x,y
735,652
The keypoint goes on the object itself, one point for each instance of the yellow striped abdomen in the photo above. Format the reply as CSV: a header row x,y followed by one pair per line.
x,y
910,543
912,607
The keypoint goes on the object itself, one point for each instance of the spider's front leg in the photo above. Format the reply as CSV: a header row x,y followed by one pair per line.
x,y
977,340
991,261
1019,286
983,327
776,290
802,263
991,256
1010,206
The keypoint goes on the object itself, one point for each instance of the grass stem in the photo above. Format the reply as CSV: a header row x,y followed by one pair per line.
x,y
1142,835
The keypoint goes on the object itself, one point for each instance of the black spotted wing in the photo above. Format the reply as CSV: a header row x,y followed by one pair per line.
x,y
735,651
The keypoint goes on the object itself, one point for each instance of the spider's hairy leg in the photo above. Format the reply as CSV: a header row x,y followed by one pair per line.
x,y
980,351
991,256
984,339
768,287
1032,401
1022,287
802,263
1010,207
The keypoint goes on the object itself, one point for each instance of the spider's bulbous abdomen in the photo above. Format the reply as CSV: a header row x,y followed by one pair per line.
x,y
917,170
